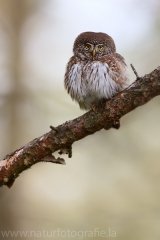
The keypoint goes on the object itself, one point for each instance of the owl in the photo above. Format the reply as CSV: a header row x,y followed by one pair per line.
x,y
95,71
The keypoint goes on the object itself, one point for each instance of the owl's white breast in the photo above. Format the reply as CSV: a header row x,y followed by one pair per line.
x,y
93,81
99,79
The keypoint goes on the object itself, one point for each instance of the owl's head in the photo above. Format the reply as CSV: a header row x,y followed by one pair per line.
x,y
92,45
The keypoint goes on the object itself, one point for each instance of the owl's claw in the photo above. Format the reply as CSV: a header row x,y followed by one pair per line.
x,y
94,107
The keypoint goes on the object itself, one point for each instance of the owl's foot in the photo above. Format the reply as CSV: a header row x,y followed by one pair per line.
x,y
99,103
94,107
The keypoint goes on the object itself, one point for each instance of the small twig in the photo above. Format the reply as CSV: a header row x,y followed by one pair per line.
x,y
70,152
134,70
53,128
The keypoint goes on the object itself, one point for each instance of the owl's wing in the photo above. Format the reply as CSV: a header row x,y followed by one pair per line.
x,y
120,58
73,81
117,69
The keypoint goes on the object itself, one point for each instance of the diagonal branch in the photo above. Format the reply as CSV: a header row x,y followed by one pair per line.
x,y
106,115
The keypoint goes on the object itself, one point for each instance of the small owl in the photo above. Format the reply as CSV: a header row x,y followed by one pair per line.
x,y
95,71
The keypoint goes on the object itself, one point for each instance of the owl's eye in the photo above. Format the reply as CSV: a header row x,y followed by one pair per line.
x,y
100,48
87,46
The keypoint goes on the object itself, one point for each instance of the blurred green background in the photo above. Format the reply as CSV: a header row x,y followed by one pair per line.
x,y
112,183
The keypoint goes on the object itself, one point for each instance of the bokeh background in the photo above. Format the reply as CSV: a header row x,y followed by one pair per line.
x,y
112,183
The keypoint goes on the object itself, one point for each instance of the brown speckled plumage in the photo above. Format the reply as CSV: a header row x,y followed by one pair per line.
x,y
95,71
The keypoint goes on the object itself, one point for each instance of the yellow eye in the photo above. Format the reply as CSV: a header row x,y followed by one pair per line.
x,y
87,47
100,48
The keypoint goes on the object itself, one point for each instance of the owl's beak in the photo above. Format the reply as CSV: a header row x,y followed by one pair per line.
x,y
93,52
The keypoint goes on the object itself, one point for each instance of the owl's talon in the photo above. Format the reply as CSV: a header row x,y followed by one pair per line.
x,y
94,108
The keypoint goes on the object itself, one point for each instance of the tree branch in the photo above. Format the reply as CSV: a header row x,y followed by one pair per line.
x,y
106,115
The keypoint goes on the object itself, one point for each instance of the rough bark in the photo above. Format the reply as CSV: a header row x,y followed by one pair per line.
x,y
105,115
